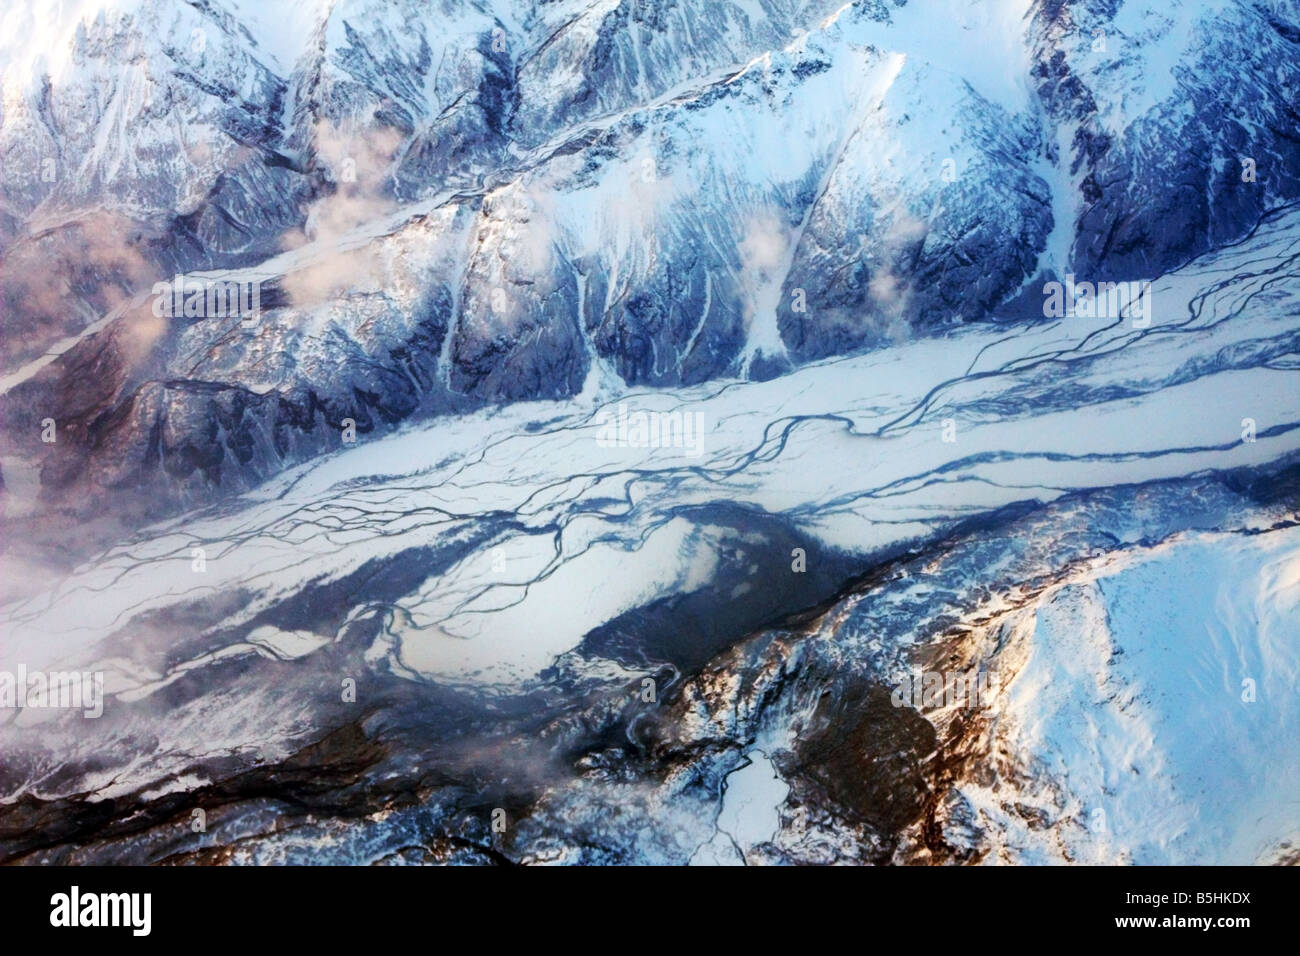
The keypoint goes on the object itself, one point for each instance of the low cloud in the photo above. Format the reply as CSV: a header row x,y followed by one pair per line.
x,y
54,283
358,159
95,250
890,292
764,247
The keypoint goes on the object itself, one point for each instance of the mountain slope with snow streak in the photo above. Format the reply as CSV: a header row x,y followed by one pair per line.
x,y
666,194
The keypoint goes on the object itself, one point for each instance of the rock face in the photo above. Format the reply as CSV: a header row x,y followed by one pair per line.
x,y
491,203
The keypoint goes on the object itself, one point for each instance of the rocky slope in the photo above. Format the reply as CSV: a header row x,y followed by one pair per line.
x,y
473,203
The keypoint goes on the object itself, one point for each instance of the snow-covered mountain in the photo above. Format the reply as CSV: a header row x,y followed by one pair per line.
x,y
468,203
605,342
